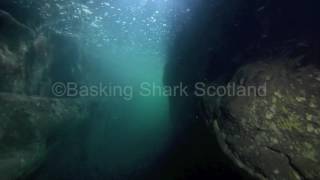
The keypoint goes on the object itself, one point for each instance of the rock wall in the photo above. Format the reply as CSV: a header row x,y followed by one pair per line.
x,y
32,121
274,136
249,41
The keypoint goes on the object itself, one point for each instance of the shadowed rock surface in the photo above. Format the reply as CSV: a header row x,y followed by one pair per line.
x,y
29,127
31,122
274,136
250,43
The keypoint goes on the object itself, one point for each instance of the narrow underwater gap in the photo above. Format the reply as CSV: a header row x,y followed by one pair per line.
x,y
126,135
137,130
48,132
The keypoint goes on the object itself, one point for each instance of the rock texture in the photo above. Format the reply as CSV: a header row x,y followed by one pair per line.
x,y
27,127
275,136
15,40
31,121
219,38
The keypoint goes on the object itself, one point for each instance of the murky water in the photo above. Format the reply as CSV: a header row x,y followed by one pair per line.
x,y
129,40
158,89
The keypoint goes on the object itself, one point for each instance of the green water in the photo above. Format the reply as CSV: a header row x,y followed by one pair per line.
x,y
134,132
125,44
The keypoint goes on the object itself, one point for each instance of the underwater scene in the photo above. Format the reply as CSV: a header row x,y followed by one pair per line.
x,y
159,89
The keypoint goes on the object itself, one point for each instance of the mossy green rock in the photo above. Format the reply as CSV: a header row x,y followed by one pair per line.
x,y
28,126
276,136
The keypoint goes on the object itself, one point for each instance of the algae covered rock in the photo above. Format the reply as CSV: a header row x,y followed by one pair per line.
x,y
28,126
274,136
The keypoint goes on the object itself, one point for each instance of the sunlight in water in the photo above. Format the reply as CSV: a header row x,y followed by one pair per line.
x,y
129,41
132,45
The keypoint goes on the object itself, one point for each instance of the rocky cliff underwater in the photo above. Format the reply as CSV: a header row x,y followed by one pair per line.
x,y
159,89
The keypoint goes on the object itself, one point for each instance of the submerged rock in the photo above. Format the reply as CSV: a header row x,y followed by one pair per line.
x,y
15,40
28,127
30,62
274,136
11,28
30,121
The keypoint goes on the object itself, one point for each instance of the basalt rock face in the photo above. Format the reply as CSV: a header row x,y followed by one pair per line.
x,y
31,120
274,136
253,43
